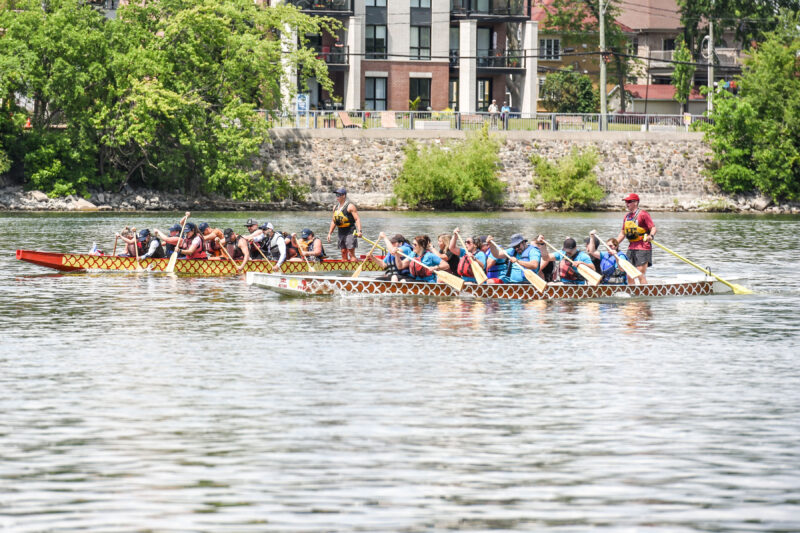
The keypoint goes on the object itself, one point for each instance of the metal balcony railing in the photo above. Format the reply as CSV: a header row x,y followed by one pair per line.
x,y
493,8
334,55
501,59
329,6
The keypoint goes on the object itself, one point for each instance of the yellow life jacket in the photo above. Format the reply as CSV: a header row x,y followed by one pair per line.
x,y
342,218
632,230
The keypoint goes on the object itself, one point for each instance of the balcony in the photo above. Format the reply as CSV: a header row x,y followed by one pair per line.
x,y
491,10
328,8
336,57
494,61
725,58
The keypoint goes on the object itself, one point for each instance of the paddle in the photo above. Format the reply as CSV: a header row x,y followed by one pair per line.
x,y
441,277
532,277
308,263
174,257
136,250
626,265
737,289
477,271
376,244
115,245
591,277
361,266
225,251
257,247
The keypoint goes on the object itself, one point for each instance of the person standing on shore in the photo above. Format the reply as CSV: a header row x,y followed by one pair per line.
x,y
345,217
638,227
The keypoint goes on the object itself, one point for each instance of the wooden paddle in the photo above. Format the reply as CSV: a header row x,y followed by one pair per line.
x,y
271,266
737,289
361,266
626,265
115,245
477,271
136,250
174,257
532,277
225,251
308,263
442,277
591,277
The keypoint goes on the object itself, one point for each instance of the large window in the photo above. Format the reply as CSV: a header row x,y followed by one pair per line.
x,y
375,3
452,100
420,42
375,94
550,49
375,45
484,94
420,87
420,3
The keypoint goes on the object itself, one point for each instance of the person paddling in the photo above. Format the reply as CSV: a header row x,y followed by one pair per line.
x,y
274,245
430,261
612,272
310,246
506,267
237,248
472,253
391,272
129,238
191,246
211,240
638,227
568,270
149,246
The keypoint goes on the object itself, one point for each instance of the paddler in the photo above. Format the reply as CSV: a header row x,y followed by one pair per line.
x,y
149,246
345,217
309,246
129,238
472,253
191,246
568,271
638,227
170,241
211,240
275,245
237,247
612,273
506,267
424,254
389,262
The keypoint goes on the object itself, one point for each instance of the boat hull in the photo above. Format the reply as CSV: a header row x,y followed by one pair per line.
x,y
319,285
191,267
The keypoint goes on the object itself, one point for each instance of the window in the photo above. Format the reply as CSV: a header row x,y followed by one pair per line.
x,y
420,87
375,46
375,94
452,100
635,46
421,3
484,94
669,44
375,3
420,42
550,49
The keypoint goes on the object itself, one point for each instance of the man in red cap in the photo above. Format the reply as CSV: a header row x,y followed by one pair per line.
x,y
638,227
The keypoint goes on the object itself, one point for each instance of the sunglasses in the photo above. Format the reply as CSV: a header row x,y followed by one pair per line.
x,y
468,241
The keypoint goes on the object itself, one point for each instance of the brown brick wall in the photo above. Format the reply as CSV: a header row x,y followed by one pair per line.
x,y
397,85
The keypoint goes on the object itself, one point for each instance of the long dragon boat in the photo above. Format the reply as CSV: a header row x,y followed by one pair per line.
x,y
311,285
67,262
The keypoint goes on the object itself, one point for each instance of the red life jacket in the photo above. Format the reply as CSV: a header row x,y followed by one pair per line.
x,y
567,271
200,252
465,267
419,271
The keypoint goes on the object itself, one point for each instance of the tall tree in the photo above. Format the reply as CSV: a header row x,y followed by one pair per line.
x,y
683,74
567,91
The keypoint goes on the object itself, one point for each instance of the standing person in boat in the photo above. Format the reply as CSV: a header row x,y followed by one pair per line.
x,y
609,261
472,252
444,252
568,271
191,246
638,227
310,246
389,262
345,217
237,247
506,267
211,240
423,253
149,246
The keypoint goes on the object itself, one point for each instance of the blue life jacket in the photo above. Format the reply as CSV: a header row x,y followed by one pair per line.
x,y
611,271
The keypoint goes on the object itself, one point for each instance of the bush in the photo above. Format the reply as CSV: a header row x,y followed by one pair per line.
x,y
458,176
572,183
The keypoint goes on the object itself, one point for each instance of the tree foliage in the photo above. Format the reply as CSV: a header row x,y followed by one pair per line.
x,y
460,175
571,182
567,91
683,74
165,95
755,136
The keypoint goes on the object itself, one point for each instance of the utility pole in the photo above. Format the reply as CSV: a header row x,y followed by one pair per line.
x,y
711,61
603,103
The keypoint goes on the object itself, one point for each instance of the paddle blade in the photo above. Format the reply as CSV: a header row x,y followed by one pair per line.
x,y
454,281
535,280
139,267
357,272
738,289
171,265
478,273
629,269
591,277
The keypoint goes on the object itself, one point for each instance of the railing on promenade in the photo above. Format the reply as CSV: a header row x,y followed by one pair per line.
x,y
444,120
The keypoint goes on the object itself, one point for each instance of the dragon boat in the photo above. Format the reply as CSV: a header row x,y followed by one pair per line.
x,y
67,262
312,285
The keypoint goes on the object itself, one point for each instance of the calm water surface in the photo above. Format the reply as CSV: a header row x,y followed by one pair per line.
x,y
143,402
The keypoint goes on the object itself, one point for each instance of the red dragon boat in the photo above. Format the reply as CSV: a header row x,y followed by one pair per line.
x,y
67,262
310,285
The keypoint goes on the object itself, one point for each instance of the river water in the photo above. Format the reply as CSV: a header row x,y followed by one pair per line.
x,y
143,402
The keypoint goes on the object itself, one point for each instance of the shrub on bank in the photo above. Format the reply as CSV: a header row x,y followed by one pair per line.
x,y
571,183
461,175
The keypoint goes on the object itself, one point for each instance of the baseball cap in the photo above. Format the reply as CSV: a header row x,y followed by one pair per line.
x,y
228,233
251,222
340,190
175,227
516,240
144,234
190,226
203,226
306,233
632,196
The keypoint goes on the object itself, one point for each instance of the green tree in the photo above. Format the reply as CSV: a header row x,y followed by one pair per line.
x,y
755,136
567,91
571,182
683,74
461,175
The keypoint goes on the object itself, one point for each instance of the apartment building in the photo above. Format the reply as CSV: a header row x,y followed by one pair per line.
x,y
448,53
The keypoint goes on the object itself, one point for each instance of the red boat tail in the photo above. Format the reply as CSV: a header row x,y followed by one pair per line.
x,y
46,259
